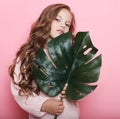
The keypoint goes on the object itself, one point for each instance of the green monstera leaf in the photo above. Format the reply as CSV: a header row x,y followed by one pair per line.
x,y
74,64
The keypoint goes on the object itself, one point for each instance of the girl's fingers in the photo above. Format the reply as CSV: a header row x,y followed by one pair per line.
x,y
63,92
60,103
63,96
60,110
61,107
57,114
65,87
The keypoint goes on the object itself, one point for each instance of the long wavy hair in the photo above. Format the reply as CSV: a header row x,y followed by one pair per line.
x,y
39,34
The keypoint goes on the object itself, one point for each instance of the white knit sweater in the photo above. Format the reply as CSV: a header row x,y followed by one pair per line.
x,y
33,103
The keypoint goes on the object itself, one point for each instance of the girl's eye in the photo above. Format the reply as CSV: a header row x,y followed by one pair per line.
x,y
57,19
68,25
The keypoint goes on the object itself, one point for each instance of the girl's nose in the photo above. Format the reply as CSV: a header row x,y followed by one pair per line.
x,y
63,25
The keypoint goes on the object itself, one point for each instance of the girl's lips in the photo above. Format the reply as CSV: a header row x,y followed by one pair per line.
x,y
60,31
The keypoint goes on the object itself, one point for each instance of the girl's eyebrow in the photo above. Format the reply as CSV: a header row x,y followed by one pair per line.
x,y
61,18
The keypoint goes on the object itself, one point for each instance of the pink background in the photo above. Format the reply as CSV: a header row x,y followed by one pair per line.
x,y
100,17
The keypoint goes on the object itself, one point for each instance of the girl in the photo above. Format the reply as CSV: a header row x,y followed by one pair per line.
x,y
56,19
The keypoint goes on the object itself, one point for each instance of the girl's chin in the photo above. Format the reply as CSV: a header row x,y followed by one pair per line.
x,y
54,36
59,34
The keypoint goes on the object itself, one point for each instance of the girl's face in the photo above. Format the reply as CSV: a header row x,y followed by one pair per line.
x,y
61,24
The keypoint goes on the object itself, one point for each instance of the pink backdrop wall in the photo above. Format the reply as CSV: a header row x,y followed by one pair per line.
x,y
101,18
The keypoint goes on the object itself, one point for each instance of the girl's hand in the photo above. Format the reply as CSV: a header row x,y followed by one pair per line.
x,y
53,106
64,91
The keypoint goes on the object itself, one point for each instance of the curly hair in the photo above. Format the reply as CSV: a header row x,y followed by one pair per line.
x,y
39,34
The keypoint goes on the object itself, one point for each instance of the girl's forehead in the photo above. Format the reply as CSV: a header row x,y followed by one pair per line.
x,y
65,13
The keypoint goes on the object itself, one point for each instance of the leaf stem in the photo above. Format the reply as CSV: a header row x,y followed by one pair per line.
x,y
55,117
61,98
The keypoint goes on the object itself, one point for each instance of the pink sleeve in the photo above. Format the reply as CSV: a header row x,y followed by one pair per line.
x,y
31,104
